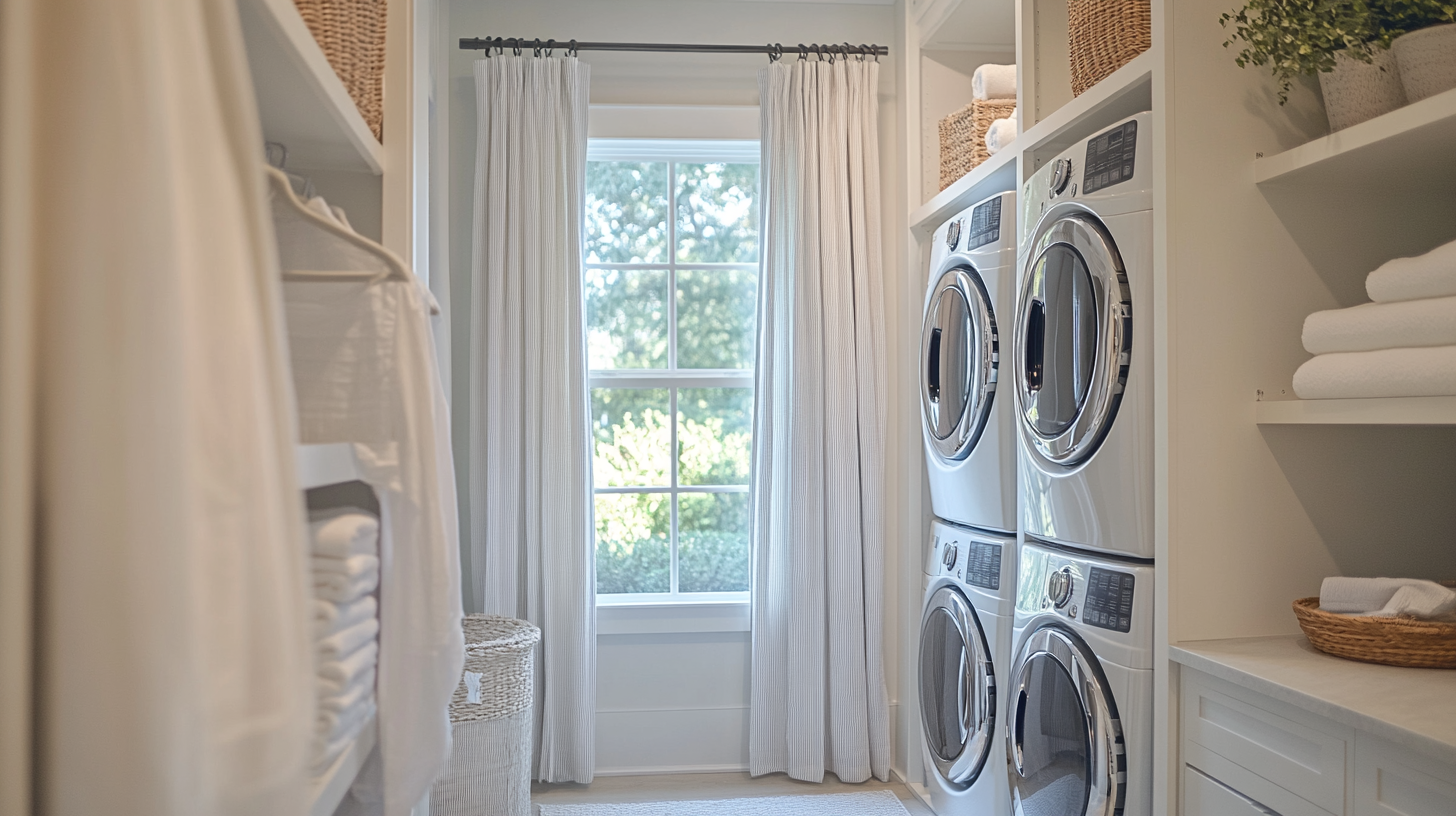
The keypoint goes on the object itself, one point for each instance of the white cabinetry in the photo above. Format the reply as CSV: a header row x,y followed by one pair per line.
x,y
1206,796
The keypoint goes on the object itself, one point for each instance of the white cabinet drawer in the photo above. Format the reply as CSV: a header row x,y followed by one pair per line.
x,y
1393,781
1203,796
1298,752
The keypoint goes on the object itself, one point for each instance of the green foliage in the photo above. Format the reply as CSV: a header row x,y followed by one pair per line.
x,y
633,545
1301,37
626,314
715,318
626,212
717,213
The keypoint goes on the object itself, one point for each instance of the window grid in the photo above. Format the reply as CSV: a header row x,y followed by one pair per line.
x,y
672,378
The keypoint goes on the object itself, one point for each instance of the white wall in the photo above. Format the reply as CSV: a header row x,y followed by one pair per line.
x,y
679,701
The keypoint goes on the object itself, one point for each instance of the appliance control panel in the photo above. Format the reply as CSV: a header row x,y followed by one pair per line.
x,y
985,224
1111,157
958,555
1100,593
1109,599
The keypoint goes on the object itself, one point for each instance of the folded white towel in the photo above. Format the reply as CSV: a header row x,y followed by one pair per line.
x,y
350,695
330,617
340,588
1403,372
329,688
1424,276
344,531
1374,326
1387,597
342,671
994,82
351,567
342,643
342,731
1001,133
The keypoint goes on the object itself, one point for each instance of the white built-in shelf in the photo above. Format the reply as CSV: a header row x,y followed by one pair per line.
x,y
1127,91
1410,707
1396,411
965,25
322,465
329,789
994,175
301,101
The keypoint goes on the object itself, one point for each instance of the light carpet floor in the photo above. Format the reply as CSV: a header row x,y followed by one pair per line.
x,y
865,803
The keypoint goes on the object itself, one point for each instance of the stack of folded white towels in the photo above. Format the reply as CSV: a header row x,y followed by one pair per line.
x,y
996,83
1388,598
345,545
1401,345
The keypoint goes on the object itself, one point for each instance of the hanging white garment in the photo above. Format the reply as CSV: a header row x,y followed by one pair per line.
x,y
531,538
818,688
364,368
174,666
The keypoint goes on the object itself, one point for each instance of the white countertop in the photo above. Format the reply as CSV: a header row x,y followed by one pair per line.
x,y
1415,708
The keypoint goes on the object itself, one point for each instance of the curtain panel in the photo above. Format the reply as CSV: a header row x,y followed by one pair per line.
x,y
819,701
530,457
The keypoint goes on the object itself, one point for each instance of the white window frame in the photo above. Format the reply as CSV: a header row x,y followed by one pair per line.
x,y
672,611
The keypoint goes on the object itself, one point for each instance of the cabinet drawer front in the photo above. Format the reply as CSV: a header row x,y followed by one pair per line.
x,y
1292,748
1394,781
1203,796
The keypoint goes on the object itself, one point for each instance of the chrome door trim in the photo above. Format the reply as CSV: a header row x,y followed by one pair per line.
x,y
977,674
1108,773
982,354
1074,227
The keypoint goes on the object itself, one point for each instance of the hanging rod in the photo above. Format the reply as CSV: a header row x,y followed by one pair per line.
x,y
772,50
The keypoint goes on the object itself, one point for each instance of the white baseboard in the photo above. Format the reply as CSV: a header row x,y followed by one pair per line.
x,y
672,769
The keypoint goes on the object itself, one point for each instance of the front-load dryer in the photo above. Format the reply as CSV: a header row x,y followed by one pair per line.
x,y
1082,358
1080,689
969,432
965,646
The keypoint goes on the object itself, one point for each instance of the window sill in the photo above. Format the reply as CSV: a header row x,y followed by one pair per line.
x,y
672,617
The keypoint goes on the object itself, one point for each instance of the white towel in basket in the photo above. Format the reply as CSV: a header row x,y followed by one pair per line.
x,y
340,672
1424,276
351,639
344,531
1373,326
330,617
1387,597
994,82
1001,133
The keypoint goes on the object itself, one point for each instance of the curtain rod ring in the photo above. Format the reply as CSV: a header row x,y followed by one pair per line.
x,y
536,48
550,46
515,46
572,51
487,47
803,52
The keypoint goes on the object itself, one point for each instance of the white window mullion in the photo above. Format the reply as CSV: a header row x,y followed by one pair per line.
x,y
673,493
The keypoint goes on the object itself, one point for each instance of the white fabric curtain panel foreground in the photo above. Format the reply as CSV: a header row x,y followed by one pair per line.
x,y
530,457
818,689
147,421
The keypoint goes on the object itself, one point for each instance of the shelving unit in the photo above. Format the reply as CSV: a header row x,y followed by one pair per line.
x,y
1127,91
323,465
995,175
330,787
301,101
1401,411
964,25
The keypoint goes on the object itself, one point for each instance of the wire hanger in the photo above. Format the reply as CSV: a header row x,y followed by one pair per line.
x,y
305,184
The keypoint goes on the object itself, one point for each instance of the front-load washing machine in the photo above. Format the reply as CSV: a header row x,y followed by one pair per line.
x,y
1080,689
965,644
970,434
1082,359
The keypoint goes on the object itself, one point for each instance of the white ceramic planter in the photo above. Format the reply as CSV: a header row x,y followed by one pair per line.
x,y
1427,60
1356,91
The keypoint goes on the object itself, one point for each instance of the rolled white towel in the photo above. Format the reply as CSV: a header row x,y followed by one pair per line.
x,y
1387,597
342,643
994,82
341,732
1001,133
1374,326
341,588
330,617
342,671
1402,372
1424,276
344,531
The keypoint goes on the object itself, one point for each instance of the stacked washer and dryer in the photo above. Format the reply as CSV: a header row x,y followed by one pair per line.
x,y
1065,696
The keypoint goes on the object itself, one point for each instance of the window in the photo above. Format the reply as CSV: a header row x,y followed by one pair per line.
x,y
671,291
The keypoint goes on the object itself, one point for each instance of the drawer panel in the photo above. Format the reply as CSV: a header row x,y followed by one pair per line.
x,y
1296,750
1203,796
1395,781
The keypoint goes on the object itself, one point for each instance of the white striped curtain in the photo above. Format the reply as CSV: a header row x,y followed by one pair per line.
x,y
530,461
818,688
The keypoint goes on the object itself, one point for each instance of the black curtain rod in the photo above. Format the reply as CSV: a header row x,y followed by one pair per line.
x,y
772,50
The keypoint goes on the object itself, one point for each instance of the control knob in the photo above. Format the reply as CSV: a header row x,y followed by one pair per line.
x,y
1059,587
948,557
1061,175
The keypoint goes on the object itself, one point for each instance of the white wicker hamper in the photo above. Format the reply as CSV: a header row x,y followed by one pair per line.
x,y
489,773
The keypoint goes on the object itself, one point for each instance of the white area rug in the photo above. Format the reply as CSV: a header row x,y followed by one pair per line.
x,y
867,803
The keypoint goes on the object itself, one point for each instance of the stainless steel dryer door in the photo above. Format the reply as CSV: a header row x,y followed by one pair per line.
x,y
1074,339
957,687
959,353
1065,747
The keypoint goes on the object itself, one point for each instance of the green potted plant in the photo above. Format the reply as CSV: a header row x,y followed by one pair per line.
x,y
1346,43
1426,53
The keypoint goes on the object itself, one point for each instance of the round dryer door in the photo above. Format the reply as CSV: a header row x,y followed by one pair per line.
x,y
1065,752
958,352
957,687
1074,339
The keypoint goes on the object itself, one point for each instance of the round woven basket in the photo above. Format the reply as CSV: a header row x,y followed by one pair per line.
x,y
1392,641
500,650
1105,35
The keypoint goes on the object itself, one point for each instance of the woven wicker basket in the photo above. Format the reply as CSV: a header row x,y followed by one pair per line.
x,y
963,137
1392,641
351,34
1105,35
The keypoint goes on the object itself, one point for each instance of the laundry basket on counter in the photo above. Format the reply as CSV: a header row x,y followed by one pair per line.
x,y
490,716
